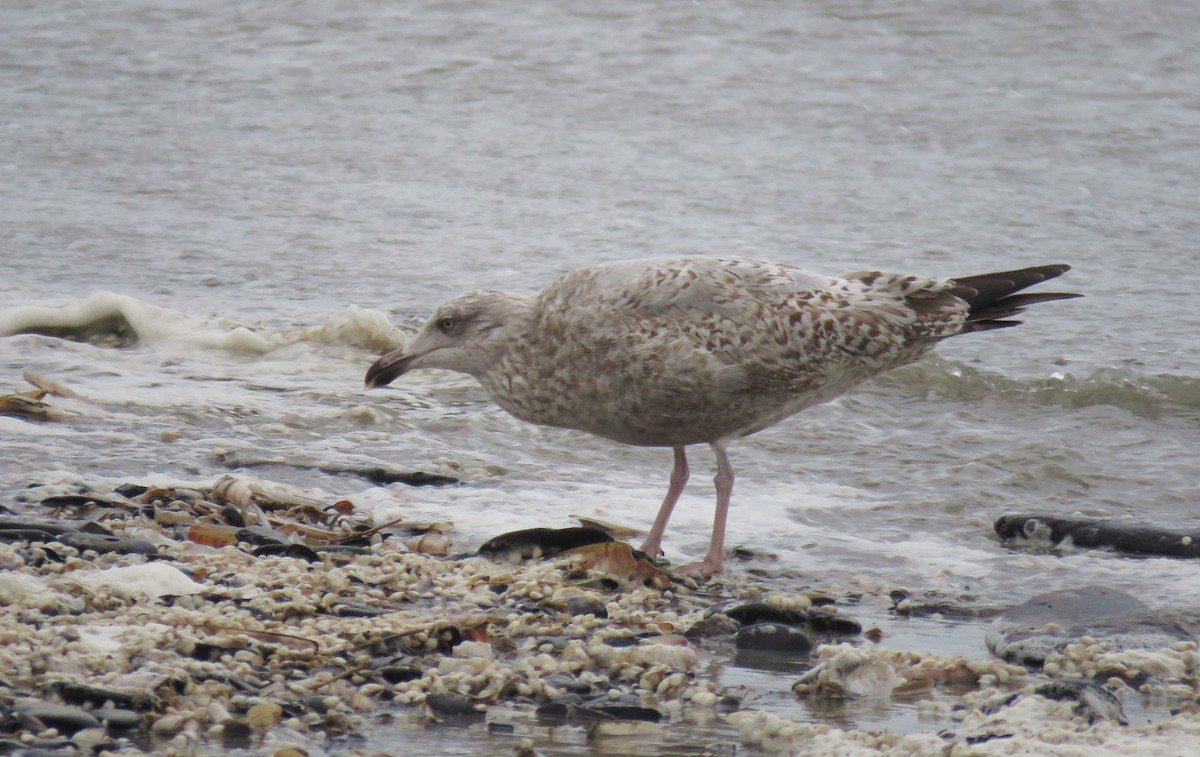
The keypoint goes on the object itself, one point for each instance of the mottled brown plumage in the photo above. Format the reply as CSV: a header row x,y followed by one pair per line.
x,y
681,351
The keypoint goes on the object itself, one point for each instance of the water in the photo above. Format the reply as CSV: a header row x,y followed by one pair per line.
x,y
306,172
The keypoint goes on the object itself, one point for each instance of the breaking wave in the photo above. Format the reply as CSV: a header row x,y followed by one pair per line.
x,y
1149,396
117,320
120,320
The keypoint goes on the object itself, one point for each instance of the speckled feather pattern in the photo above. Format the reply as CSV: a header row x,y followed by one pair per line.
x,y
687,350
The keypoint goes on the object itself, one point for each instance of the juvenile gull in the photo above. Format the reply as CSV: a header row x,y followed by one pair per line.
x,y
679,351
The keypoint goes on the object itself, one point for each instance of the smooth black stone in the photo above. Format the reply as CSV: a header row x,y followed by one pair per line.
x,y
131,490
385,476
64,717
232,515
257,536
398,674
815,621
453,707
103,544
276,549
81,500
533,543
1121,535
555,713
773,637
117,718
203,650
31,524
26,534
236,733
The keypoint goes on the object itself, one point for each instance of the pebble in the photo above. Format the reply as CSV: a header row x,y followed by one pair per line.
x,y
773,637
65,718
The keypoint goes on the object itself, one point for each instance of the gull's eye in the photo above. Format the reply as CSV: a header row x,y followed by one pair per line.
x,y
445,325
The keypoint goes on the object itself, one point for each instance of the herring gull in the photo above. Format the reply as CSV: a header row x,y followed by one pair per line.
x,y
679,351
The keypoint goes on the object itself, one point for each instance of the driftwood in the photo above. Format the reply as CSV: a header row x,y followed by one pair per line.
x,y
1121,535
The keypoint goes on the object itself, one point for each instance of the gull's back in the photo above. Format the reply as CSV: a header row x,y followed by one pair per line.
x,y
687,350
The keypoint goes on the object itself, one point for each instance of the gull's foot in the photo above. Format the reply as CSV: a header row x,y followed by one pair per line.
x,y
706,568
651,548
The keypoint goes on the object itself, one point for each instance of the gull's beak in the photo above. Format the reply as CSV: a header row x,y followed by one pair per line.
x,y
388,368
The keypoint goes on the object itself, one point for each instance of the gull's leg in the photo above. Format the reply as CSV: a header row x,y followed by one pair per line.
x,y
714,561
679,476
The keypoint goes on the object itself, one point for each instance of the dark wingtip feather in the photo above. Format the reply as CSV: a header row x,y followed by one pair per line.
x,y
992,297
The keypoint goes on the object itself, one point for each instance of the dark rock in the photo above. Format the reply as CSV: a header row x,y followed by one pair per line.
x,y
384,476
232,515
85,499
776,638
116,718
276,549
53,528
48,748
65,718
257,536
1121,535
814,621
587,606
131,490
209,652
944,609
1028,633
357,610
104,544
534,543
376,474
449,707
568,683
236,734
398,673
717,624
90,697
1092,700
619,712
392,645
621,640
555,713
26,534
95,527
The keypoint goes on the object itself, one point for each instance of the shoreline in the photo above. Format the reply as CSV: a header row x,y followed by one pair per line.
x,y
190,647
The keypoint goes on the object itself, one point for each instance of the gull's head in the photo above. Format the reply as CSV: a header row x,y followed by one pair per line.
x,y
467,334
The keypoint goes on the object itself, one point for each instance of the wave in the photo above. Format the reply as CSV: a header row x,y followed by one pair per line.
x,y
118,320
1146,395
122,321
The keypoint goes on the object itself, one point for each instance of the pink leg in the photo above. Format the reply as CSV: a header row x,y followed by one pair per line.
x,y
679,476
714,561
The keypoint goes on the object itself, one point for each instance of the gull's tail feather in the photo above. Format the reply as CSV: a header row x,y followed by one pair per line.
x,y
993,297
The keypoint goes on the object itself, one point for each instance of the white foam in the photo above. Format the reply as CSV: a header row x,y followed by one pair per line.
x,y
150,580
151,323
356,327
